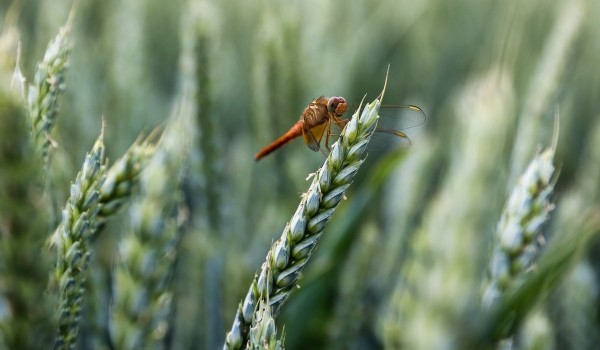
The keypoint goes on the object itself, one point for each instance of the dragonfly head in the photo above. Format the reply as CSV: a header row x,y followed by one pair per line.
x,y
337,105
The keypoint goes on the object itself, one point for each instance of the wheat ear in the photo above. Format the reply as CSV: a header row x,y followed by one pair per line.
x,y
44,94
288,256
71,242
123,176
518,233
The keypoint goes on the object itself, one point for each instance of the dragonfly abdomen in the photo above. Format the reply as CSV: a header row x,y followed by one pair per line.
x,y
292,133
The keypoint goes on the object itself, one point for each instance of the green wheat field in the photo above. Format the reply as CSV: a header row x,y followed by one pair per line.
x,y
134,216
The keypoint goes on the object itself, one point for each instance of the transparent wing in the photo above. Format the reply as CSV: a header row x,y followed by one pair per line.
x,y
400,117
392,119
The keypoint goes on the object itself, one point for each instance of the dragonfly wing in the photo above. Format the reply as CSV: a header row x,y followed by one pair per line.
x,y
386,140
313,136
393,119
401,117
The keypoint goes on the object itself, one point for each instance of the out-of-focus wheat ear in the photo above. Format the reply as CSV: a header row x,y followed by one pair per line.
x,y
440,276
563,251
548,76
44,94
518,234
577,299
537,332
142,296
70,240
123,176
288,256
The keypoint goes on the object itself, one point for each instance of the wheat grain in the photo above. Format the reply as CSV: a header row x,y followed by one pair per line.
x,y
263,332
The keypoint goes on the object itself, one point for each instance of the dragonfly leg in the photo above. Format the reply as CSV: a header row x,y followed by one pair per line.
x,y
339,121
327,137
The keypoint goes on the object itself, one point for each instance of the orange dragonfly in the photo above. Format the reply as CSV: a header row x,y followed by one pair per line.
x,y
322,113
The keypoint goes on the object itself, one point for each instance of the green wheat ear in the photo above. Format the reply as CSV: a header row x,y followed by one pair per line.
x,y
288,256
518,233
123,176
48,86
71,240
148,249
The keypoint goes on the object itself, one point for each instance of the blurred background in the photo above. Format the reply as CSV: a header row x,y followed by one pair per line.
x,y
490,76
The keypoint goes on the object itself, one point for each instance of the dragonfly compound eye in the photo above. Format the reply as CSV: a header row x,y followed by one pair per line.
x,y
337,105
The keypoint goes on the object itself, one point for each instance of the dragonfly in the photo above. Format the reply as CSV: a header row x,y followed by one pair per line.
x,y
323,113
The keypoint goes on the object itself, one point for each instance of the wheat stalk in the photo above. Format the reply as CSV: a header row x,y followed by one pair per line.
x,y
71,242
288,256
